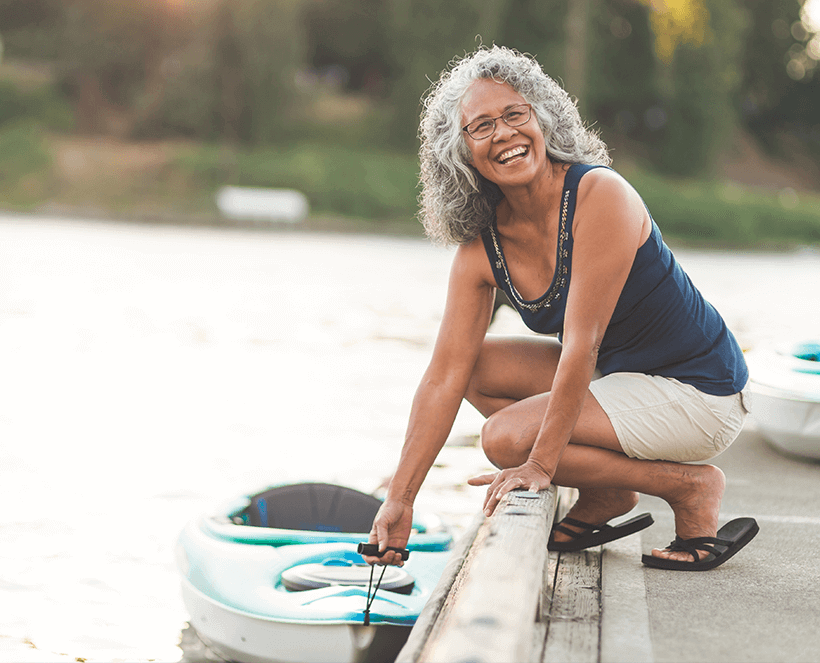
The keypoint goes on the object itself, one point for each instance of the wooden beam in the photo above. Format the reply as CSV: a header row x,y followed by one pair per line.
x,y
492,605
428,623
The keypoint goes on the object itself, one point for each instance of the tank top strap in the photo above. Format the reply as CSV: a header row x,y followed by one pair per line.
x,y
571,180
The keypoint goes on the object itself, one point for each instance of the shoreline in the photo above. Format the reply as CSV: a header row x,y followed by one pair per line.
x,y
335,224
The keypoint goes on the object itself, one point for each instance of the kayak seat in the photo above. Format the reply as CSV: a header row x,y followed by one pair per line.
x,y
317,507
335,573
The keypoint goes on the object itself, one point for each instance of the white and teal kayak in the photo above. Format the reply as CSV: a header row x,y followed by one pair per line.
x,y
785,396
275,577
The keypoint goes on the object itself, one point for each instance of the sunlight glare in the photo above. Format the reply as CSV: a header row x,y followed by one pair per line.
x,y
811,15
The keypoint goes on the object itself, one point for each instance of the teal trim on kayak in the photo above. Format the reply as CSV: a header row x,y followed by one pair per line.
x,y
224,527
809,356
271,536
248,578
240,567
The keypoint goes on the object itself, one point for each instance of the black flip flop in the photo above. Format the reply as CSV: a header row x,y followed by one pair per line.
x,y
730,539
594,535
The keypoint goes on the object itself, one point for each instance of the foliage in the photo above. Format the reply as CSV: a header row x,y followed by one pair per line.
x,y
537,27
678,22
423,37
346,42
354,182
31,28
208,69
624,89
24,163
270,77
701,84
730,215
269,40
42,105
770,101
380,185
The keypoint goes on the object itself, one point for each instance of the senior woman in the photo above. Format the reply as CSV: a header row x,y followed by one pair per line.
x,y
644,376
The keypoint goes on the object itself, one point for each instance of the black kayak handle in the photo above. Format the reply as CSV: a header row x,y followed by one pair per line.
x,y
372,550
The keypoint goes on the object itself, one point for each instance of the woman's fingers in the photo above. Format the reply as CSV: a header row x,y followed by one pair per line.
x,y
373,538
501,483
483,479
391,528
496,492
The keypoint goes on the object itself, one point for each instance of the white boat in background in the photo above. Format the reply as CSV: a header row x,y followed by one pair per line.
x,y
785,396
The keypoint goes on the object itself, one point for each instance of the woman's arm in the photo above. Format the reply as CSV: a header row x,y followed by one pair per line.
x,y
439,395
611,223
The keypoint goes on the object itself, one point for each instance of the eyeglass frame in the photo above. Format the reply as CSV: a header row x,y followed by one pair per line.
x,y
494,120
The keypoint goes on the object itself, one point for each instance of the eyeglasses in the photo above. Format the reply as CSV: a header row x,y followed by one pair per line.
x,y
484,127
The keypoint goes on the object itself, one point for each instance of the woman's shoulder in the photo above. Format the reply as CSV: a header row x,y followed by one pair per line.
x,y
471,261
601,176
606,188
607,202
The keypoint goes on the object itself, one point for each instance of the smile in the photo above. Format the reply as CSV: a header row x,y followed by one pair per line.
x,y
514,154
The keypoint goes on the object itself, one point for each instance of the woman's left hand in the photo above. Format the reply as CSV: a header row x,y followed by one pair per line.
x,y
528,476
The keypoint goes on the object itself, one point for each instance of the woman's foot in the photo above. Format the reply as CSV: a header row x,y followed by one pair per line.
x,y
696,505
597,506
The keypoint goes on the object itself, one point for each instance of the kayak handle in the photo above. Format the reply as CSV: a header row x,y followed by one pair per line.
x,y
372,550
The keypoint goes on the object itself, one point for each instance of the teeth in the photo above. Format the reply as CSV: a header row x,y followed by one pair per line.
x,y
509,154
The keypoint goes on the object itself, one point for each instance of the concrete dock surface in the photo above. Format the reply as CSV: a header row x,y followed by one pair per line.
x,y
761,605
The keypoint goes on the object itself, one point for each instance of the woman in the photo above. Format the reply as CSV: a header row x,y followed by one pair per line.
x,y
644,376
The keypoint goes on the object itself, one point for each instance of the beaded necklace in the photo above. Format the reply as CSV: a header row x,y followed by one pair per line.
x,y
561,269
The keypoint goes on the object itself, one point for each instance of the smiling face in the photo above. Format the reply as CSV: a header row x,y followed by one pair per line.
x,y
512,156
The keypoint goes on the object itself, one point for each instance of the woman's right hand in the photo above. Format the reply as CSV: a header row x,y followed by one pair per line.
x,y
391,528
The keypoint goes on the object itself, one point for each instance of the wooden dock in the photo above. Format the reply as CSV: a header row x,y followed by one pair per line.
x,y
505,599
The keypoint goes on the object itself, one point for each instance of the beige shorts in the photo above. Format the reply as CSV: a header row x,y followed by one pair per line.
x,y
657,418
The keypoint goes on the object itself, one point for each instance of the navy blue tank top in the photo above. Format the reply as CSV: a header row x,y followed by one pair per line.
x,y
661,325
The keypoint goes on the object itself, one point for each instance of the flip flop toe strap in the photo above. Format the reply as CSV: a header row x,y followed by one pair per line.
x,y
692,546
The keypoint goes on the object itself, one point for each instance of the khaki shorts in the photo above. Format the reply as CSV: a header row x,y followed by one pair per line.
x,y
657,418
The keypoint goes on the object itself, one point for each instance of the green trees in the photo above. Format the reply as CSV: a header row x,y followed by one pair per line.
x,y
674,76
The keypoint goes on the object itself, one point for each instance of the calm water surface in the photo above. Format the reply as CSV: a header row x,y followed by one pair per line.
x,y
151,373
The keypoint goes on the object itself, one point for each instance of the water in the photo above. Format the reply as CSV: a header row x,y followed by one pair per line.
x,y
151,373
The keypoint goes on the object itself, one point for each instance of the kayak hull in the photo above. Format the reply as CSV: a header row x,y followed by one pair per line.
x,y
785,397
244,593
246,638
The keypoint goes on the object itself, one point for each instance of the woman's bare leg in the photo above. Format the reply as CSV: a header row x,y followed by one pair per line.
x,y
693,491
509,385
513,369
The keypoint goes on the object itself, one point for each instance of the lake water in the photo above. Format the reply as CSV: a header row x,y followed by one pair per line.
x,y
150,373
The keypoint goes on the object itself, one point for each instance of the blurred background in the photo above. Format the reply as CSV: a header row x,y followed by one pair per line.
x,y
154,370
144,108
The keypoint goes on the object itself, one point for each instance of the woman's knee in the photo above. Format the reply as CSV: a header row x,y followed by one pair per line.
x,y
503,445
492,441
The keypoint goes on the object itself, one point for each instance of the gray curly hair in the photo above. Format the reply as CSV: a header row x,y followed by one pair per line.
x,y
458,203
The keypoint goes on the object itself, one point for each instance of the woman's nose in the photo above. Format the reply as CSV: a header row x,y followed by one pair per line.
x,y
503,131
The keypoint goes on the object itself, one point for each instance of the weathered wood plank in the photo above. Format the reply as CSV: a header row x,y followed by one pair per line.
x,y
493,612
574,621
428,622
541,625
564,499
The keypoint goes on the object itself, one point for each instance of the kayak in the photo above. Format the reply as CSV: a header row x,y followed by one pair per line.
x,y
785,396
275,577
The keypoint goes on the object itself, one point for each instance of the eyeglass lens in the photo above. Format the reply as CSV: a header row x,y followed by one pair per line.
x,y
513,117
